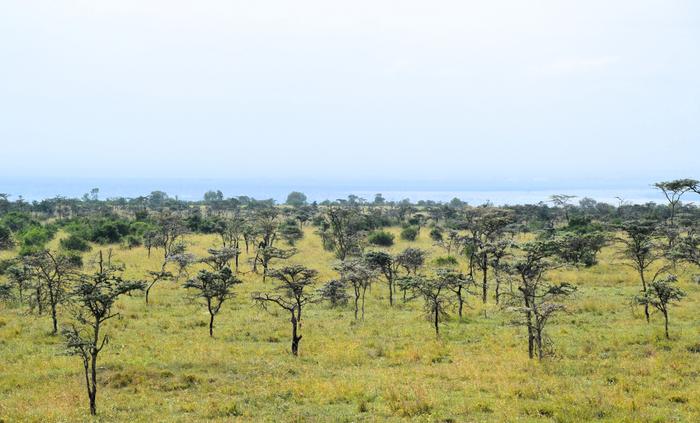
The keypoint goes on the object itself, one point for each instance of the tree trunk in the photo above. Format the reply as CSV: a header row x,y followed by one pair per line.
x,y
666,323
437,320
93,384
211,324
357,298
484,281
644,289
363,302
39,301
498,286
295,338
54,318
391,292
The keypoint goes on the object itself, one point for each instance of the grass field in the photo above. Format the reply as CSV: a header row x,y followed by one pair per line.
x,y
161,365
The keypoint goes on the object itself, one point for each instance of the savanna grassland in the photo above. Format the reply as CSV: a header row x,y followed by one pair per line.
x,y
161,365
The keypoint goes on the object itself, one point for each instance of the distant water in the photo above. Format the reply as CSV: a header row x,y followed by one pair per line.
x,y
194,189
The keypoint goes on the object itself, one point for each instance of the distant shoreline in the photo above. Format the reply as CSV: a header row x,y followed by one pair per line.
x,y
37,189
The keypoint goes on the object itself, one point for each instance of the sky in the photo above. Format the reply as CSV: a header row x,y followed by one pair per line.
x,y
363,90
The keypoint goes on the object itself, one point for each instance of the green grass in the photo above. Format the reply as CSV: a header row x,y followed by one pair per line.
x,y
161,365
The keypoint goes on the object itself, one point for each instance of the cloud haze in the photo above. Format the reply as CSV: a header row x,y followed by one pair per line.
x,y
447,90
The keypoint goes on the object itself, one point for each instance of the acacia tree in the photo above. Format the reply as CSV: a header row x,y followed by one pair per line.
x,y
231,232
335,291
387,265
360,275
53,272
536,300
94,296
499,251
660,295
183,262
448,242
168,233
674,190
412,259
458,283
291,295
342,231
265,255
155,276
435,292
563,201
213,287
640,252
486,229
20,276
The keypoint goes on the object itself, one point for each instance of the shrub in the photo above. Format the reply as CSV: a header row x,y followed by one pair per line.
x,y
75,243
34,239
436,234
133,241
382,238
410,233
446,261
6,241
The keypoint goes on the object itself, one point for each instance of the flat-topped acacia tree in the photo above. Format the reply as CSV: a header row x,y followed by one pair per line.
x,y
215,286
94,295
387,265
291,294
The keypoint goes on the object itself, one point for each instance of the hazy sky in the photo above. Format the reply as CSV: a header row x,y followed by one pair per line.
x,y
361,89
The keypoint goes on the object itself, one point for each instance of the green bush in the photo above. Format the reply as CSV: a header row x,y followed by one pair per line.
x,y
34,239
6,241
436,234
410,233
382,238
75,243
446,261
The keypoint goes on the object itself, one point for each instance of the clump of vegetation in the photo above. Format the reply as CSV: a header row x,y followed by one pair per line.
x,y
75,243
381,238
410,233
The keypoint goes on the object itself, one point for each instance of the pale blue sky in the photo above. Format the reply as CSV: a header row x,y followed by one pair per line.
x,y
363,89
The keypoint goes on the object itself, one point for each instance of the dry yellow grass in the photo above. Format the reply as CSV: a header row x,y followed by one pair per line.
x,y
161,364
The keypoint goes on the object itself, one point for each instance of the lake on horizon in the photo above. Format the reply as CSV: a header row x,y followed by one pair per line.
x,y
32,189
